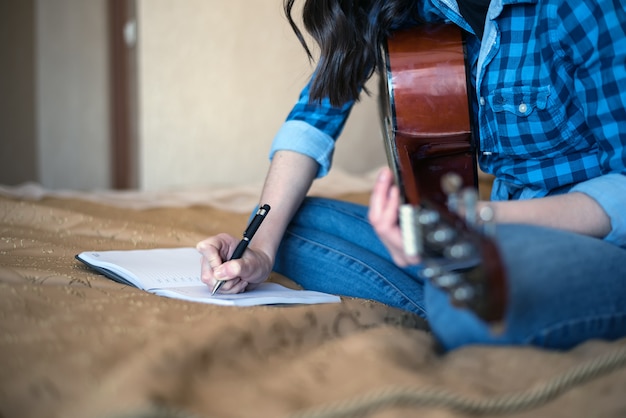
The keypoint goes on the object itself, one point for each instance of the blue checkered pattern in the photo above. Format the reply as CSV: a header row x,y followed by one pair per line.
x,y
551,106
550,77
323,116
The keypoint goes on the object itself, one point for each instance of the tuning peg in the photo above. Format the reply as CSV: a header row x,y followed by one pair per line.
x,y
451,184
441,235
428,217
431,271
463,294
440,277
447,281
469,197
487,216
460,251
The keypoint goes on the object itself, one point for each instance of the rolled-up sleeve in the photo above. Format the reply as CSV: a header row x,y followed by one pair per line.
x,y
610,193
312,128
300,137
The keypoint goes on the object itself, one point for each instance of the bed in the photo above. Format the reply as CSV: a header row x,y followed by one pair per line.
x,y
75,344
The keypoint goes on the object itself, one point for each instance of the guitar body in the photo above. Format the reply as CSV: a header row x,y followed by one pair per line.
x,y
426,116
428,136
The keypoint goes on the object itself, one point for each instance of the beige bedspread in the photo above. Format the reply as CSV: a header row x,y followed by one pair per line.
x,y
74,344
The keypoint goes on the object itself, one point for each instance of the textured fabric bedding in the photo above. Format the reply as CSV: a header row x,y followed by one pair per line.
x,y
74,344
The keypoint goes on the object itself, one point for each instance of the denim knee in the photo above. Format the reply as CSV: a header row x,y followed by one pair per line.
x,y
455,327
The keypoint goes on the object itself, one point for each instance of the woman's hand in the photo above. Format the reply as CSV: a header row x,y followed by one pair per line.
x,y
383,215
241,274
287,182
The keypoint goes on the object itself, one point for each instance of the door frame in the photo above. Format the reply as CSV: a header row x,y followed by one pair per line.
x,y
122,21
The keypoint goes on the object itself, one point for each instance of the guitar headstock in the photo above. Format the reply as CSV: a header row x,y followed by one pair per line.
x,y
455,243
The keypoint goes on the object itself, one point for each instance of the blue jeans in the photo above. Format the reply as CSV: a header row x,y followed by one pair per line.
x,y
564,288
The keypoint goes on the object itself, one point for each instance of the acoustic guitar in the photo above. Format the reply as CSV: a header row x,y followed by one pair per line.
x,y
430,147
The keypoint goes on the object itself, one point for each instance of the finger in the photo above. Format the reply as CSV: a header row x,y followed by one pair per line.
x,y
383,215
226,286
232,286
385,205
215,249
206,272
209,261
391,208
228,270
379,194
239,287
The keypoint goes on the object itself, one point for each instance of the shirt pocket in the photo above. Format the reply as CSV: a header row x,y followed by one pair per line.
x,y
528,123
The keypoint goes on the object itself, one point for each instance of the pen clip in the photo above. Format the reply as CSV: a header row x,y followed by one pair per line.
x,y
256,222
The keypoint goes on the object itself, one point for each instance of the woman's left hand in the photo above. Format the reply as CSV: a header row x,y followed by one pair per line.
x,y
383,215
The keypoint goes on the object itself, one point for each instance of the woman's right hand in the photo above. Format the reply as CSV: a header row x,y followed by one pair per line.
x,y
287,182
253,268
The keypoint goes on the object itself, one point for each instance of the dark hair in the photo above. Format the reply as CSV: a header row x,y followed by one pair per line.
x,y
350,34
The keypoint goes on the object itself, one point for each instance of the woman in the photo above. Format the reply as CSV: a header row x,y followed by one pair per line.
x,y
552,121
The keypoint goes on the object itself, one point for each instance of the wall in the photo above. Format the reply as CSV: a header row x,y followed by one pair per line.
x,y
72,94
217,78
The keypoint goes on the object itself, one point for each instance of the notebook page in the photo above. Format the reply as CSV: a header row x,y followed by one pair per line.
x,y
150,269
264,294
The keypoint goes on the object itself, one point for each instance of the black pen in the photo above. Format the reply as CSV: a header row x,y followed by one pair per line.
x,y
247,236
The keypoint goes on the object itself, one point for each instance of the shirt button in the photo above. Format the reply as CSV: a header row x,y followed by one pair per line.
x,y
482,101
523,108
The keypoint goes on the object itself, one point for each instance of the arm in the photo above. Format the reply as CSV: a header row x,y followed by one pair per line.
x,y
576,212
301,151
289,178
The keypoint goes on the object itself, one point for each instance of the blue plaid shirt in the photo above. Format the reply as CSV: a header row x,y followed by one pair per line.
x,y
550,77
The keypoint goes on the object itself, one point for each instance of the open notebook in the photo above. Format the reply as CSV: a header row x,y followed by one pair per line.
x,y
175,273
